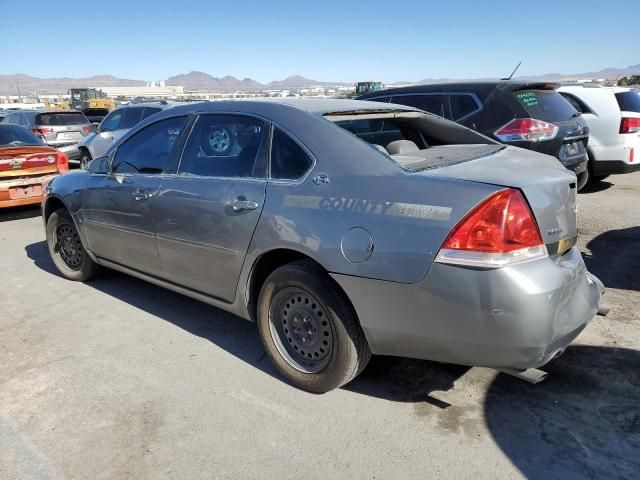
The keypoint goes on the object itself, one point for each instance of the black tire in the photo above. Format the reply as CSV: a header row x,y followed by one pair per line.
x,y
217,140
345,351
583,179
70,257
85,158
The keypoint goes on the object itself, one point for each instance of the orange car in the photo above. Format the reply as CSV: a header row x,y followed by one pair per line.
x,y
26,166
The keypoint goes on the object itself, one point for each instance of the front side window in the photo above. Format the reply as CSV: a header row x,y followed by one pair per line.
x,y
148,111
288,160
112,121
224,146
148,150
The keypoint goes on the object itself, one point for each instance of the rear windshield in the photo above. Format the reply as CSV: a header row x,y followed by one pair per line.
x,y
61,118
376,131
628,101
14,136
547,105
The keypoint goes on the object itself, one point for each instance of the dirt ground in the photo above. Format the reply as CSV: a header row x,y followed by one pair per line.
x,y
119,379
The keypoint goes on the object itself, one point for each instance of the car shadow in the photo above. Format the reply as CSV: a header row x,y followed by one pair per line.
x,y
583,421
229,332
19,213
595,186
615,258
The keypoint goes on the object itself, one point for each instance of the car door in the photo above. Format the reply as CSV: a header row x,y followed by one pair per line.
x,y
117,207
207,212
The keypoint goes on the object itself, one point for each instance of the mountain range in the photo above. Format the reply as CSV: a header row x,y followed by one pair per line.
x,y
9,84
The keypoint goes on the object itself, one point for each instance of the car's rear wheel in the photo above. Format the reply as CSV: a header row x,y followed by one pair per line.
x,y
66,249
309,329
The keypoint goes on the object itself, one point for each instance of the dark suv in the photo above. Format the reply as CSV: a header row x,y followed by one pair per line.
x,y
528,115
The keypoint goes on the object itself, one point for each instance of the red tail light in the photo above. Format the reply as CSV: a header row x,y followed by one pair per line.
x,y
62,162
86,130
526,130
631,154
42,131
630,125
500,231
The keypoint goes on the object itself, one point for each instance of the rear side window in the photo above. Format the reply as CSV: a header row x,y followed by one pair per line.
x,y
547,105
61,118
132,117
576,103
288,160
628,101
462,105
432,103
148,111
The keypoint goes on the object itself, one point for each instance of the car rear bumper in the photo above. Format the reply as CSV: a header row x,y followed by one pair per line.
x,y
577,165
516,317
614,159
12,192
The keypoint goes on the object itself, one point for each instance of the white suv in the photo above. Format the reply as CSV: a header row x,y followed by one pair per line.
x,y
613,116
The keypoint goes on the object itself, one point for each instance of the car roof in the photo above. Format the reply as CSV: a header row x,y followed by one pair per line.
x,y
162,104
482,87
315,106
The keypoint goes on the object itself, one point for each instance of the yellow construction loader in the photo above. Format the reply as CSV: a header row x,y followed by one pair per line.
x,y
93,103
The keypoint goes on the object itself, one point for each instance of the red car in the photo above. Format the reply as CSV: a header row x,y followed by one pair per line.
x,y
26,166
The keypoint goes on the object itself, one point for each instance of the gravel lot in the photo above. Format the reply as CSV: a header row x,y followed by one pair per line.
x,y
120,379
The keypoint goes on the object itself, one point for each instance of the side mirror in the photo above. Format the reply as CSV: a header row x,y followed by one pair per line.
x,y
98,165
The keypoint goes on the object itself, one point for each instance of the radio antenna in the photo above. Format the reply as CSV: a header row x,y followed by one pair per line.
x,y
512,73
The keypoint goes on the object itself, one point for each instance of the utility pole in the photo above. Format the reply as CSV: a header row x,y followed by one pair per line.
x,y
18,85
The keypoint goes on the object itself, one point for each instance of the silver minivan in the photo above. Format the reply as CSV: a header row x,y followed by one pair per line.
x,y
116,124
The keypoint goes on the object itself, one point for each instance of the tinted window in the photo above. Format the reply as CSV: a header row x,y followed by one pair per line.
x,y
462,105
61,118
17,119
132,117
576,103
628,101
224,146
148,111
288,160
547,105
429,103
148,150
112,121
377,131
13,135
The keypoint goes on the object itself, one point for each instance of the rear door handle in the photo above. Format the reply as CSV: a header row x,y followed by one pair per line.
x,y
240,205
141,195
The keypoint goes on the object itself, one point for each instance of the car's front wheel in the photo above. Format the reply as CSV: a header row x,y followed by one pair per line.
x,y
309,329
85,158
66,249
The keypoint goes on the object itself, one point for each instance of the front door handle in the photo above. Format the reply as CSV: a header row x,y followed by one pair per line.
x,y
141,195
239,205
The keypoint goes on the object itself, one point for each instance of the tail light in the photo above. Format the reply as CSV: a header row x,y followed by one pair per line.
x,y
42,131
86,130
500,231
630,125
526,130
62,162
631,154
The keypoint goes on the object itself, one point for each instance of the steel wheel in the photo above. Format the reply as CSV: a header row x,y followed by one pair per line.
x,y
219,140
68,246
300,329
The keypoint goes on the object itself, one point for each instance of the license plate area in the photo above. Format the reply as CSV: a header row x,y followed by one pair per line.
x,y
28,191
572,149
68,136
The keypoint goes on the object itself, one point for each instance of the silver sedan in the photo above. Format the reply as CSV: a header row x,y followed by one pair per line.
x,y
343,228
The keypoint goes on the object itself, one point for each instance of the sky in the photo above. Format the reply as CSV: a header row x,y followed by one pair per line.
x,y
347,40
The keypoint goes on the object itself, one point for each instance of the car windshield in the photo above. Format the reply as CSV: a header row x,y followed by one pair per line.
x,y
547,105
61,118
628,101
14,136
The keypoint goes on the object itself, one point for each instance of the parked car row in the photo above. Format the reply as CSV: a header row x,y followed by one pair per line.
x,y
542,117
343,228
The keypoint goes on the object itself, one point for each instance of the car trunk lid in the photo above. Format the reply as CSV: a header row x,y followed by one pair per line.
x,y
549,188
27,161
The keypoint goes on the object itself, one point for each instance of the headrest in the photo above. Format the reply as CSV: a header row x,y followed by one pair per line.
x,y
401,147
